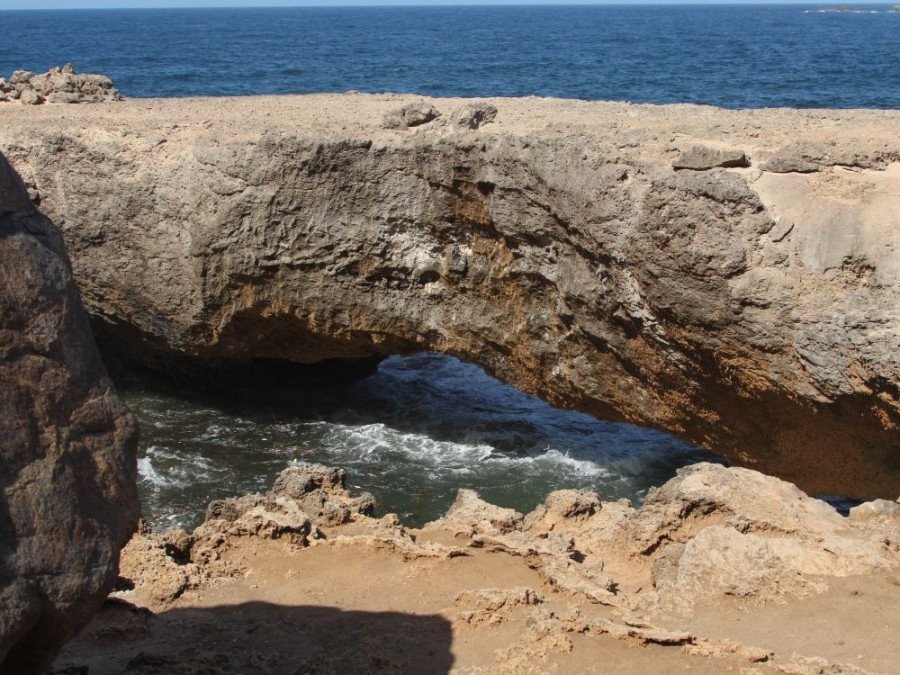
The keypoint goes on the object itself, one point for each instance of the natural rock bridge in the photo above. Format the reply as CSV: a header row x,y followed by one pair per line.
x,y
746,300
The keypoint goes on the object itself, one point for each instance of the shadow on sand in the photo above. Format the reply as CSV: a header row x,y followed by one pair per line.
x,y
257,638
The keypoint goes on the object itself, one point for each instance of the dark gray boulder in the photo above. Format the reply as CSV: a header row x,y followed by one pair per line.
x,y
474,115
68,499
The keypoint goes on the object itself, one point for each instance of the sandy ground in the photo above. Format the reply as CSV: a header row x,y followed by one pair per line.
x,y
355,607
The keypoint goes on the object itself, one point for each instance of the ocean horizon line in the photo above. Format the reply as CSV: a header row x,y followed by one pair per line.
x,y
473,4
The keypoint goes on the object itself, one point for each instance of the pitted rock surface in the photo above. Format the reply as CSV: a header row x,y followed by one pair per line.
x,y
68,498
57,85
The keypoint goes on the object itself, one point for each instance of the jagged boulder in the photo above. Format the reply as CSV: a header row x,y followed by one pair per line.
x,y
58,85
474,115
714,532
304,497
470,515
321,492
68,499
411,115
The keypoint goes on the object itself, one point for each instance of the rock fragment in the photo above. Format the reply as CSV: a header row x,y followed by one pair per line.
x,y
701,158
787,163
470,515
411,115
31,97
322,494
20,77
474,115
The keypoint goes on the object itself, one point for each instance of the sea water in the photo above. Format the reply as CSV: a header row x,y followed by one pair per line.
x,y
412,434
735,56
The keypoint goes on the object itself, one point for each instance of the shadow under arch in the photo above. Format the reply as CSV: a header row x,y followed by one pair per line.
x,y
258,638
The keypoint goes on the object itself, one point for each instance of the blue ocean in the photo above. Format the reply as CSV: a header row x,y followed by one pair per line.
x,y
424,426
732,56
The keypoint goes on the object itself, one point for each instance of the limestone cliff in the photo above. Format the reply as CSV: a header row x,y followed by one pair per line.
x,y
68,498
732,277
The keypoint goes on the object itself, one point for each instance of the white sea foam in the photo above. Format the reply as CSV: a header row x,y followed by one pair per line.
x,y
188,460
413,435
164,468
148,473
379,442
375,441
553,461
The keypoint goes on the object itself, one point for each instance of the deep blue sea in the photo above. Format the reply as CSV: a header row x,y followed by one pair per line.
x,y
731,56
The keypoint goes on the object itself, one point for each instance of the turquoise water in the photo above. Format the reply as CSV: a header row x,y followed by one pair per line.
x,y
735,56
413,434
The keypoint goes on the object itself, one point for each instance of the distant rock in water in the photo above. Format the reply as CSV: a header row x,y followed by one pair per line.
x,y
68,499
58,85
843,9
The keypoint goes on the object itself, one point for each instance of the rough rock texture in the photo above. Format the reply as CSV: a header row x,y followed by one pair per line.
x,y
68,498
709,533
878,508
412,115
753,312
700,158
58,85
304,498
723,542
474,115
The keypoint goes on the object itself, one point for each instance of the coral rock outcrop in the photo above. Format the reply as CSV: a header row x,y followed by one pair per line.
x,y
58,85
712,536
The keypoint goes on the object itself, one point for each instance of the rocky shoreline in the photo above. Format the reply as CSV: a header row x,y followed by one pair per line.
x,y
712,541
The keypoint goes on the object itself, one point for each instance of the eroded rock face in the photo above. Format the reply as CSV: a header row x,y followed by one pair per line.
x,y
710,534
753,311
68,498
305,498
